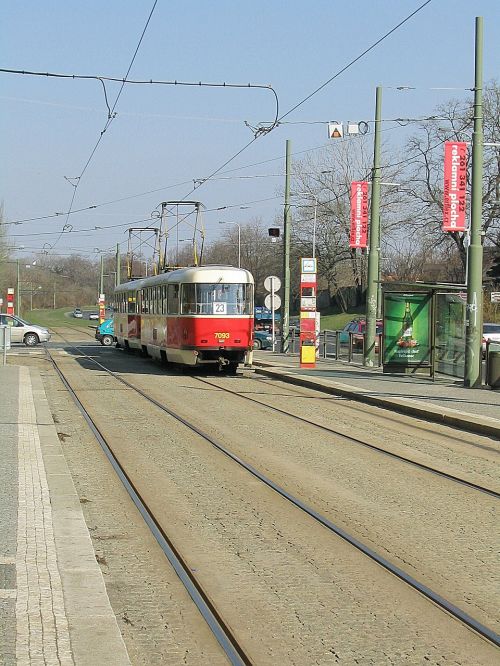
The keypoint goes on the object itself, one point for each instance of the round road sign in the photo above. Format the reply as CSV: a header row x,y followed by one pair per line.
x,y
277,302
276,282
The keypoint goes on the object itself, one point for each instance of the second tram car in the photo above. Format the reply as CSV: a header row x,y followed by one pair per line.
x,y
193,316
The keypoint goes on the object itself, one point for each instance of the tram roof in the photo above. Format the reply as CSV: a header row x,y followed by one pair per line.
x,y
207,274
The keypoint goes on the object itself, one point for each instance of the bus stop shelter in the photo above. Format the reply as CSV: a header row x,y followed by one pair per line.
x,y
424,328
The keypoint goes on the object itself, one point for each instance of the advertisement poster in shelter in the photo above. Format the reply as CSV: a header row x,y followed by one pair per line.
x,y
407,329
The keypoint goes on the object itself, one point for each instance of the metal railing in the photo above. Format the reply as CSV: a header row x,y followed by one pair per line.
x,y
331,345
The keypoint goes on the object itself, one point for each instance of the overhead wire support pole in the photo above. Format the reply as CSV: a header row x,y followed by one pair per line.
x,y
285,333
474,319
374,250
118,266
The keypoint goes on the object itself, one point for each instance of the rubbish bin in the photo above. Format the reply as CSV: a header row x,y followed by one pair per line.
x,y
493,369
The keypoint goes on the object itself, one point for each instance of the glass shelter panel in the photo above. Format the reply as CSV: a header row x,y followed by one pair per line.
x,y
450,334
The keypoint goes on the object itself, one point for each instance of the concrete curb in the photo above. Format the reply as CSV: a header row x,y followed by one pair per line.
x,y
94,632
481,425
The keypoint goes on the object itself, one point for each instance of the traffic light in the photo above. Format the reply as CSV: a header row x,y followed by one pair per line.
x,y
274,232
494,270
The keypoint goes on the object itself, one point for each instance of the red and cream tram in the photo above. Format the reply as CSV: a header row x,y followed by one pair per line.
x,y
192,316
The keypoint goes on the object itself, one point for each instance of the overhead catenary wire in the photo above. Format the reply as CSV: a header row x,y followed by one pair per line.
x,y
296,106
256,135
111,116
355,60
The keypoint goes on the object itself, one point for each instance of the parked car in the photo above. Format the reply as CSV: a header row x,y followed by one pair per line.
x,y
262,340
94,315
23,331
491,332
105,333
358,327
77,313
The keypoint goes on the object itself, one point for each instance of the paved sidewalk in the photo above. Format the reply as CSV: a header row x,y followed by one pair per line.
x,y
444,400
54,608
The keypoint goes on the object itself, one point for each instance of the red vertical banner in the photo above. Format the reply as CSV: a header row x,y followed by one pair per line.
x,y
455,186
10,301
359,214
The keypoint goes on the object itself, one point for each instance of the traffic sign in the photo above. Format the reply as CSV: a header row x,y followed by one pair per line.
x,y
268,303
272,281
495,296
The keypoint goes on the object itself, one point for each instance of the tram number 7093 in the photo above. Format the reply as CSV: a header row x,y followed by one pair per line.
x,y
221,336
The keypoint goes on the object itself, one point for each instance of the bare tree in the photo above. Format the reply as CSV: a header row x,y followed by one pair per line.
x,y
327,180
258,254
424,180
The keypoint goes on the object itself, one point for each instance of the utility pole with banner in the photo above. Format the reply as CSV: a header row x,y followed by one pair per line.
x,y
373,256
285,323
474,320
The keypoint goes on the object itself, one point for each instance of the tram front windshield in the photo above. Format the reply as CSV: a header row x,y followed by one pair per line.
x,y
217,299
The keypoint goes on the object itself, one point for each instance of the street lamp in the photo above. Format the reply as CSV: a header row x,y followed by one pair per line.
x,y
313,196
239,238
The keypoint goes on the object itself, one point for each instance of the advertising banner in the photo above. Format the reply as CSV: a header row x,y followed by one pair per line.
x,y
407,329
455,186
359,215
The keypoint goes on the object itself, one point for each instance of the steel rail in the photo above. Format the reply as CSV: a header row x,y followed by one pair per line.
x,y
219,628
361,442
423,589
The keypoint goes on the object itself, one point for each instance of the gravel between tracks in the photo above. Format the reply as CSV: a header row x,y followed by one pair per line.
x,y
294,592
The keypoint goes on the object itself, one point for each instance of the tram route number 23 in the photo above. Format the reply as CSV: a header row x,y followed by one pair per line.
x,y
221,336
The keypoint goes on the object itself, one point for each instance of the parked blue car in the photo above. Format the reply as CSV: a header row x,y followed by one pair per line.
x,y
262,340
105,333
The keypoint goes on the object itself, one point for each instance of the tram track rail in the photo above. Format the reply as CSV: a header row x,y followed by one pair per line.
x,y
436,598
359,442
222,633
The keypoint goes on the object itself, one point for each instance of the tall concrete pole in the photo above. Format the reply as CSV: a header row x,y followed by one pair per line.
x,y
285,330
474,320
101,281
18,290
374,250
118,266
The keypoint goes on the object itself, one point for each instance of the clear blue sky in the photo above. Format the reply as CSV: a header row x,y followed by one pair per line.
x,y
166,135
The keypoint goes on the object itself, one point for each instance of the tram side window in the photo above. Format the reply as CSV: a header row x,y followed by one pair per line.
x,y
131,301
163,299
156,307
173,299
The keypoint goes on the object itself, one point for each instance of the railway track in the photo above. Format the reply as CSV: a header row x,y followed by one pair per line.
x,y
357,441
439,600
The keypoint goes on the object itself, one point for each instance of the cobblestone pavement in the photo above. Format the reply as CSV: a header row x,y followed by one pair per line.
x,y
293,593
8,525
42,626
53,612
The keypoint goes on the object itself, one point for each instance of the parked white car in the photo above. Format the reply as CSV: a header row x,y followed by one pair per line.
x,y
491,332
23,331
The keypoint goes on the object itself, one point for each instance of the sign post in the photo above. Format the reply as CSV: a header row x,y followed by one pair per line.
x,y
102,308
272,301
10,301
308,313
